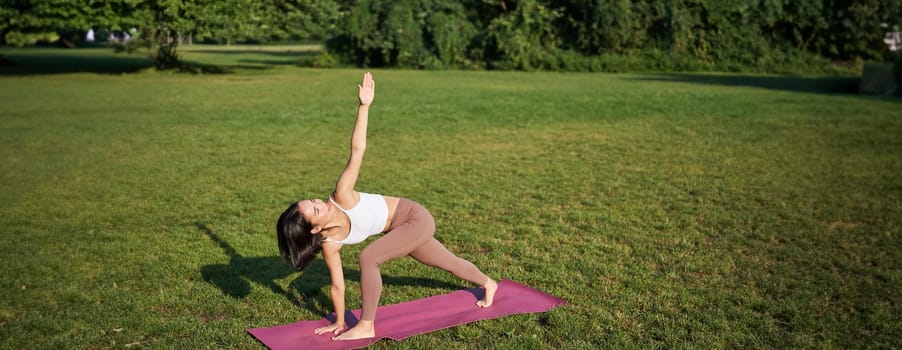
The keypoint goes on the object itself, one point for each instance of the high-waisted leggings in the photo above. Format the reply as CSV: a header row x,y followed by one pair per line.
x,y
411,233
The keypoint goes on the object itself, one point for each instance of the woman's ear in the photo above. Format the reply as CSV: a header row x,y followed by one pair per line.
x,y
316,229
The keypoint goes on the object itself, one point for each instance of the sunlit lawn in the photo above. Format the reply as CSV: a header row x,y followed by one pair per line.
x,y
697,211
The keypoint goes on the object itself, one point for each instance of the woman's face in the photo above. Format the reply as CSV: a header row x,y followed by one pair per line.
x,y
316,212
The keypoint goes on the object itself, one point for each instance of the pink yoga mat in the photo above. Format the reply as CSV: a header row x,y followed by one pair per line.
x,y
400,321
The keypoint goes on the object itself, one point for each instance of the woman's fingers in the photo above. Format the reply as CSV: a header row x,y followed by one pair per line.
x,y
322,330
368,80
366,89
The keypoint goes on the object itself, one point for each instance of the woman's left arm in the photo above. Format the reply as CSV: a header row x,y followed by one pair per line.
x,y
337,290
344,188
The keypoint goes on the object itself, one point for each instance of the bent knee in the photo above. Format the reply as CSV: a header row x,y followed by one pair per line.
x,y
369,259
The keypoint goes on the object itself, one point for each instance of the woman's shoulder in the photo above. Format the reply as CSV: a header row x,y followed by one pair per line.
x,y
345,200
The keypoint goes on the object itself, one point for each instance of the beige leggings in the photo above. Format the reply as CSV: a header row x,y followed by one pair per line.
x,y
411,233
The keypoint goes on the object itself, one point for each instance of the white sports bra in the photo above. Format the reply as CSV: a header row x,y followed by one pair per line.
x,y
368,218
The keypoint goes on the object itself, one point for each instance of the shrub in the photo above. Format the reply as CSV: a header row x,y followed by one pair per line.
x,y
525,36
324,60
614,35
23,39
166,57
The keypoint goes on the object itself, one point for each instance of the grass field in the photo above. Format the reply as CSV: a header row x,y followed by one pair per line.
x,y
671,210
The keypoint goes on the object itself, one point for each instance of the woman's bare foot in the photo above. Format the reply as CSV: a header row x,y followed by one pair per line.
x,y
490,288
363,330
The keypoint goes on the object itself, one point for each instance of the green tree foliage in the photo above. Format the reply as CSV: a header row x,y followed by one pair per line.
x,y
26,22
407,33
530,34
300,19
606,26
164,24
526,36
169,21
501,34
229,21
854,26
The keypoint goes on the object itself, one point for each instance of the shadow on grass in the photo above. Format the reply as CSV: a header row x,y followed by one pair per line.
x,y
249,58
270,62
235,278
199,68
276,53
24,64
27,64
820,85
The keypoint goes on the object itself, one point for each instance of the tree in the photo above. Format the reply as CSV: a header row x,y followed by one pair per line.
x,y
406,33
164,23
526,36
24,22
232,21
228,20
300,19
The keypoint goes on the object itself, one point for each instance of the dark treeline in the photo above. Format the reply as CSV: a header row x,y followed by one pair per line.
x,y
601,35
762,35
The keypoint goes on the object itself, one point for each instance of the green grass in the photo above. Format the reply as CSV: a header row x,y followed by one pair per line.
x,y
672,211
247,56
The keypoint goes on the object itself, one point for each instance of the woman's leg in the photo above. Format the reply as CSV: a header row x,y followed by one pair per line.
x,y
433,253
412,227
417,229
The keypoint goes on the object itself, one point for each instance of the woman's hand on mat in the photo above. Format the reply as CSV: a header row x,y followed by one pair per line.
x,y
366,91
335,328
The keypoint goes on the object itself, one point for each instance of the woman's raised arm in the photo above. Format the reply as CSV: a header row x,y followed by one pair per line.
x,y
344,188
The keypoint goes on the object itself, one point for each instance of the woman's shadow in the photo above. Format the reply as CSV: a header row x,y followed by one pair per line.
x,y
306,290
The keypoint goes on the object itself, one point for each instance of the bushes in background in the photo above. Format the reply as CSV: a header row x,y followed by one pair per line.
x,y
732,35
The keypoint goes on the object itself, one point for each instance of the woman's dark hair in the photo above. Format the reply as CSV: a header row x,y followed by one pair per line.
x,y
296,243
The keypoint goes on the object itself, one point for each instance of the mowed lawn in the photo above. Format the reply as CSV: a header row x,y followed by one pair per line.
x,y
670,210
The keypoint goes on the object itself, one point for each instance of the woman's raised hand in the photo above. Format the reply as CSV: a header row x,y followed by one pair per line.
x,y
366,91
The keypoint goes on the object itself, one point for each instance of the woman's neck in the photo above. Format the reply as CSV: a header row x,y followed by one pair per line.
x,y
339,224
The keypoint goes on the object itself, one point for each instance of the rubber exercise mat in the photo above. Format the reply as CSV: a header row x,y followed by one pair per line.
x,y
400,321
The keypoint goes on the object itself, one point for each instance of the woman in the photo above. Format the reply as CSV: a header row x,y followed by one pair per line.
x,y
349,217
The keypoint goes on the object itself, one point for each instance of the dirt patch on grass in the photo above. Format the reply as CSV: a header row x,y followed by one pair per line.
x,y
843,225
